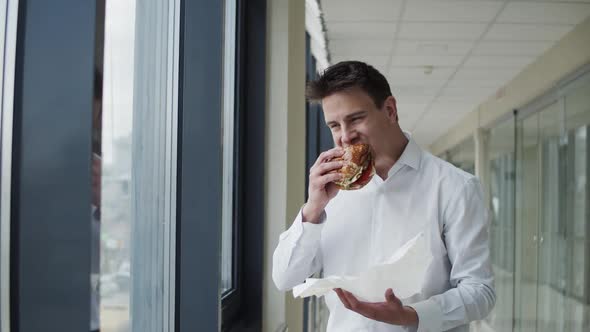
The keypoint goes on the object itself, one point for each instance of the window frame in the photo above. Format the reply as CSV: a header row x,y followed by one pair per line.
x,y
249,155
51,152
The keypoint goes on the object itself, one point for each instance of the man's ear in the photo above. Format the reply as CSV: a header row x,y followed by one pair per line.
x,y
391,108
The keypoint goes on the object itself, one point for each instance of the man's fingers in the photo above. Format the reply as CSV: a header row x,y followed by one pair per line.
x,y
324,168
366,309
354,302
325,179
320,182
328,155
343,299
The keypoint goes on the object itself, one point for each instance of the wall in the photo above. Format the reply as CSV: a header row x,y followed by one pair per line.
x,y
285,148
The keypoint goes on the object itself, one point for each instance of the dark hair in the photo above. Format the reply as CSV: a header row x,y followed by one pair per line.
x,y
347,75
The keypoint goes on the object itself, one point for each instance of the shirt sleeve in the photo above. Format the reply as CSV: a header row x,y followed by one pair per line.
x,y
297,256
466,234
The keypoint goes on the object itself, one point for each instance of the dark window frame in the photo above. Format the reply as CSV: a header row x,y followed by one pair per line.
x,y
51,153
242,308
199,197
198,224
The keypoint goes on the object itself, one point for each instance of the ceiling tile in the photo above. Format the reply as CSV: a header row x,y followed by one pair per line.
x,y
464,95
425,60
441,31
548,13
527,32
411,109
377,61
344,10
402,91
451,11
365,30
482,83
483,74
417,76
346,47
414,47
466,91
449,109
498,61
512,48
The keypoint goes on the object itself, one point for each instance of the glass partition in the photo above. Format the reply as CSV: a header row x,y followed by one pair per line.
x,y
552,260
463,155
501,165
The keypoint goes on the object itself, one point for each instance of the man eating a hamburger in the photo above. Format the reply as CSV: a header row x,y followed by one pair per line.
x,y
375,190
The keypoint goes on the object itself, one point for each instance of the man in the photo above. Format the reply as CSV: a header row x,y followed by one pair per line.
x,y
346,232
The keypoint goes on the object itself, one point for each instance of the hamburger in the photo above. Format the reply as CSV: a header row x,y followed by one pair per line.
x,y
358,168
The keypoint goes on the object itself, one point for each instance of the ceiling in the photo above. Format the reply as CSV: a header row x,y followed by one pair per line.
x,y
443,58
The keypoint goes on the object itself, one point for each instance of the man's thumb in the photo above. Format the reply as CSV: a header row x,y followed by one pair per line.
x,y
389,296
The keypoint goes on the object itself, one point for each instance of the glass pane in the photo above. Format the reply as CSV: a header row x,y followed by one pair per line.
x,y
527,189
229,152
577,124
553,270
463,155
134,144
501,205
112,150
552,244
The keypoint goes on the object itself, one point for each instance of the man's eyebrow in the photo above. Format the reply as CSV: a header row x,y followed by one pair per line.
x,y
357,113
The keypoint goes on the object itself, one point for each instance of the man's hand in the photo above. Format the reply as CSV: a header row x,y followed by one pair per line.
x,y
321,189
391,311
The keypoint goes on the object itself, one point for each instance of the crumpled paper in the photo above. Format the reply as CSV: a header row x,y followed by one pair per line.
x,y
403,272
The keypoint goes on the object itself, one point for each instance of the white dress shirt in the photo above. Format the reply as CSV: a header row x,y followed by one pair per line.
x,y
362,228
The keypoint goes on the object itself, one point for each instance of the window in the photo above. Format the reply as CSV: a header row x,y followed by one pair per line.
x,y
134,210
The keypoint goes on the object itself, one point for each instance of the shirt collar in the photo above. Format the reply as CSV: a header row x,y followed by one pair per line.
x,y
411,156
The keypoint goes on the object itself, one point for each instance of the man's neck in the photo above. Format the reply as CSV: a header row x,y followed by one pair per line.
x,y
382,167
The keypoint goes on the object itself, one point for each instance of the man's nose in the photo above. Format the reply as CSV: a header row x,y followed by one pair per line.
x,y
348,136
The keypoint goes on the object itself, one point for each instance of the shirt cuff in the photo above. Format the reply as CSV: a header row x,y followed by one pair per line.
x,y
304,233
429,315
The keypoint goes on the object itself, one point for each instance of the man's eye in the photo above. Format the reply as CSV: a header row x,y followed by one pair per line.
x,y
356,119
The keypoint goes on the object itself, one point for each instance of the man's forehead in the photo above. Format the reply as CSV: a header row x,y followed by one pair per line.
x,y
347,99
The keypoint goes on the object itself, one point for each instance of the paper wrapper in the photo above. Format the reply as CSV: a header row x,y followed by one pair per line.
x,y
403,272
